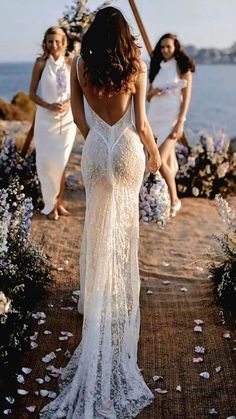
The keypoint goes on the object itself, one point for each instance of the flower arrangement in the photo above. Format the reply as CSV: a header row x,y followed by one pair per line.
x,y
61,86
76,20
14,166
173,87
154,201
224,272
24,271
206,169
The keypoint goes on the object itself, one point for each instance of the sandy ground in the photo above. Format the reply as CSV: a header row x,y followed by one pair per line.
x,y
179,254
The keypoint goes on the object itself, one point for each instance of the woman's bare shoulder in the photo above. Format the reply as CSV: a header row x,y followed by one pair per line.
x,y
40,62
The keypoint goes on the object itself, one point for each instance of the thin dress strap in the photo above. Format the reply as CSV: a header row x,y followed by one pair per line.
x,y
77,67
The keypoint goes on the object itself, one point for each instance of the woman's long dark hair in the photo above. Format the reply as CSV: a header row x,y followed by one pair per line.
x,y
184,62
110,54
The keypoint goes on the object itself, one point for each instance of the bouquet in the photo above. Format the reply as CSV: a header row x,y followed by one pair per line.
x,y
154,200
174,86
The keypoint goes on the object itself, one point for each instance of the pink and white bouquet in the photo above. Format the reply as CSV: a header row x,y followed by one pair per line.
x,y
154,200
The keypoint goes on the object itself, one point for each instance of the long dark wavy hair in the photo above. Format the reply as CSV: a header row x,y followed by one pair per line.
x,y
183,61
110,53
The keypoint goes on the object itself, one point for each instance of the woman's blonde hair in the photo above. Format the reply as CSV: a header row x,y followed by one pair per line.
x,y
53,30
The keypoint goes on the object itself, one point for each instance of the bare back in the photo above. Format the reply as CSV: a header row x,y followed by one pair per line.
x,y
110,109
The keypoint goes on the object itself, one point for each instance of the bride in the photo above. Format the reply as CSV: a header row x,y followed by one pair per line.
x,y
102,379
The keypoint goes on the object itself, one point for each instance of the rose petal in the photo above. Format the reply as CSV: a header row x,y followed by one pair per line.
x,y
39,380
218,369
178,388
20,378
47,332
165,264
198,321
160,391
227,335
63,338
52,394
76,292
157,377
43,393
198,329
22,392
41,322
31,409
198,360
33,345
200,349
205,375
10,399
35,336
184,289
213,412
47,379
166,282
7,412
26,371
149,292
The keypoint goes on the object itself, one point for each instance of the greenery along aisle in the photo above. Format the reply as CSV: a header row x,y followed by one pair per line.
x,y
14,166
208,168
224,272
24,272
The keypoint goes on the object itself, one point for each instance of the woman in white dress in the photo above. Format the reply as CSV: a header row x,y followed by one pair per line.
x,y
169,94
54,130
102,379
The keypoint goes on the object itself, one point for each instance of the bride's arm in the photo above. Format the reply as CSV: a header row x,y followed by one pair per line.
x,y
142,125
77,101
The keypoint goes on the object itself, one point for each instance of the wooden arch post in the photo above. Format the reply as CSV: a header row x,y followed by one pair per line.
x,y
141,27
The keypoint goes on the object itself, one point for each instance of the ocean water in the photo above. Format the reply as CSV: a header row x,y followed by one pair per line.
x,y
213,104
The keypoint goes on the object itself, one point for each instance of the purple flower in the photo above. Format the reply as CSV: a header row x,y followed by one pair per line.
x,y
61,81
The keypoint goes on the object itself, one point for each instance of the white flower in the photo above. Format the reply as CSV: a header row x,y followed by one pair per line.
x,y
5,304
195,191
222,169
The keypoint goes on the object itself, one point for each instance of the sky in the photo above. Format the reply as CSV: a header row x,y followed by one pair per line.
x,y
203,23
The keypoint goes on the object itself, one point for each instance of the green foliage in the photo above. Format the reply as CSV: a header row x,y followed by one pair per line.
x,y
224,273
76,20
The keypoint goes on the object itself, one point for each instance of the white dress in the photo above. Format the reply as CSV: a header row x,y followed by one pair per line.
x,y
54,133
163,111
102,379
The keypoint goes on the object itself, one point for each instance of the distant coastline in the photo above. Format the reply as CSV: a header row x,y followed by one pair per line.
x,y
212,55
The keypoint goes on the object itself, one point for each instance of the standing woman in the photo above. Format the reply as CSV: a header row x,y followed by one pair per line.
x,y
170,78
102,379
54,130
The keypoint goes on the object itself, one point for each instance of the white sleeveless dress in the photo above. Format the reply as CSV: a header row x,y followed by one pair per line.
x,y
102,379
54,133
163,111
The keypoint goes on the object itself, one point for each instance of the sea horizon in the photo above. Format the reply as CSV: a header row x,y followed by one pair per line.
x,y
212,106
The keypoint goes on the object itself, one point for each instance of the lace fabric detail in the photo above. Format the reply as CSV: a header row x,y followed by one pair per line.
x,y
102,379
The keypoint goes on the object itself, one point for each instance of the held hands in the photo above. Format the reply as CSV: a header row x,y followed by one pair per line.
x,y
154,162
157,92
59,107
177,131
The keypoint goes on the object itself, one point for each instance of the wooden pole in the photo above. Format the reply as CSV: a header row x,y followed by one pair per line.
x,y
143,32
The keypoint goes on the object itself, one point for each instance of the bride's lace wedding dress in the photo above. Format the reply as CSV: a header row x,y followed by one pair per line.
x,y
102,379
